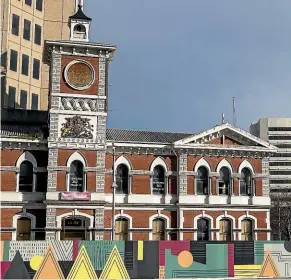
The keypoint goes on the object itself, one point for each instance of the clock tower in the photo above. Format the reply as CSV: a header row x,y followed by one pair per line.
x,y
77,124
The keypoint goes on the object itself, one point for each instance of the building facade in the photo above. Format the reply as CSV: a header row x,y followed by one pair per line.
x,y
25,25
277,131
65,175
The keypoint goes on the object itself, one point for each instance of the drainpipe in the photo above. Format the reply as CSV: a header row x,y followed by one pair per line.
x,y
178,190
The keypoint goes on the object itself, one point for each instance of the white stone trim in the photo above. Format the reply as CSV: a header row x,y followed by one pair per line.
x,y
129,218
232,219
254,224
79,61
246,164
24,215
70,214
159,216
26,156
81,158
224,163
202,162
126,162
203,216
159,161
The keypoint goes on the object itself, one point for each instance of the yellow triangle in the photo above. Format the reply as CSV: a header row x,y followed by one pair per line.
x,y
114,267
49,267
82,267
269,268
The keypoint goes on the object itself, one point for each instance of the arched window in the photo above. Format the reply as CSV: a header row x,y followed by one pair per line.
x,y
26,177
75,228
121,229
203,229
224,181
202,181
122,179
76,181
159,228
159,180
225,230
247,230
23,229
80,31
246,182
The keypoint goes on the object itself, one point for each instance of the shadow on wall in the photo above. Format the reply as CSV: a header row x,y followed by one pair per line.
x,y
144,259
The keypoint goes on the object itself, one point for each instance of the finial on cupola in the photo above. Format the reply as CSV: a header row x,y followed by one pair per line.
x,y
79,25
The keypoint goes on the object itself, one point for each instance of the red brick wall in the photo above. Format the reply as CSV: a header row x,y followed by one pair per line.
x,y
89,156
64,87
227,142
6,236
7,215
8,181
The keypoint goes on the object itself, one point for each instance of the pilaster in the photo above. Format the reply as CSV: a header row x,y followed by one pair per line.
x,y
52,174
265,181
183,160
99,224
50,233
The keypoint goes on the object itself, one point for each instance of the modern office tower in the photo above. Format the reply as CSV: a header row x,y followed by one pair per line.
x,y
25,24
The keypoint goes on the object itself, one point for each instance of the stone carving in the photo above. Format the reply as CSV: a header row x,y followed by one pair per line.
x,y
77,127
78,104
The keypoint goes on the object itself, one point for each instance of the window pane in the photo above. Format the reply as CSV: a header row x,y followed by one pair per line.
x,y
23,229
37,34
23,99
202,230
25,63
121,229
36,65
26,177
15,25
159,180
76,176
247,230
26,29
225,230
28,2
38,5
34,102
11,97
13,60
122,179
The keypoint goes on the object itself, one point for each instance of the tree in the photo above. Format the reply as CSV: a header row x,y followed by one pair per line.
x,y
281,216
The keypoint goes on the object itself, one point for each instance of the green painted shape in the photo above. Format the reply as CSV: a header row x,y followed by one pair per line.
x,y
6,250
259,252
99,251
217,260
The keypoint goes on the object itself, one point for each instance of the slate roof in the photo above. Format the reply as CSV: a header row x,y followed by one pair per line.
x,y
144,136
80,14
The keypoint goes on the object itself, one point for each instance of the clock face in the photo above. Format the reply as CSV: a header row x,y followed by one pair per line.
x,y
79,74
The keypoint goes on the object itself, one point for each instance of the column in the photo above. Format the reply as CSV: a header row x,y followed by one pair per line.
x,y
183,159
98,233
50,233
100,173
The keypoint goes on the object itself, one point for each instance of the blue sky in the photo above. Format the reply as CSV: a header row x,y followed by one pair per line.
x,y
179,62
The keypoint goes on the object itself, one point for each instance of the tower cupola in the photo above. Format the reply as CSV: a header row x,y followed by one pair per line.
x,y
79,25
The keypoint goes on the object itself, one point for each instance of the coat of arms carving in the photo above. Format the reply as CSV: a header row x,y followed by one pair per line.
x,y
77,127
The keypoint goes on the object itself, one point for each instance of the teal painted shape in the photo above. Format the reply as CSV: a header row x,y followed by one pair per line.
x,y
6,250
216,264
259,252
99,251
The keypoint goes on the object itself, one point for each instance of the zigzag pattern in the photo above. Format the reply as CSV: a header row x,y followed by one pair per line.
x,y
78,104
63,249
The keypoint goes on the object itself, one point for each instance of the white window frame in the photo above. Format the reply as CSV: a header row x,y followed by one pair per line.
x,y
248,165
203,216
125,161
27,156
32,224
159,161
129,218
225,163
167,224
79,157
254,224
71,214
202,162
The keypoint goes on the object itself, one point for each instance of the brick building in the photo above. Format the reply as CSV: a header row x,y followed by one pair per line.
x,y
63,171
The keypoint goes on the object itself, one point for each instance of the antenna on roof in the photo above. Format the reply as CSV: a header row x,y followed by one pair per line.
x,y
223,119
233,111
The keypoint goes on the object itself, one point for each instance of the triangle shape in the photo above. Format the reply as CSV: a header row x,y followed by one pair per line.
x,y
82,267
17,269
66,267
114,267
269,268
49,267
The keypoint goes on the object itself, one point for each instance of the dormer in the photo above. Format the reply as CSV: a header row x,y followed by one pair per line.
x,y
79,25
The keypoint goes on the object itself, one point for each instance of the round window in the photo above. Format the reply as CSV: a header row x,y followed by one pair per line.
x,y
79,74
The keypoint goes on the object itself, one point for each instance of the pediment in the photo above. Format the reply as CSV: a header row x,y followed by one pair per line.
x,y
225,135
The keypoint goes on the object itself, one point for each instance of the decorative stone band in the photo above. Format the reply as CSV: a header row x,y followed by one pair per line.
x,y
58,168
57,143
78,104
17,169
258,175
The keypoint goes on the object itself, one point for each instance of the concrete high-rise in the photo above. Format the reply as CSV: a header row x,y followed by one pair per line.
x,y
25,25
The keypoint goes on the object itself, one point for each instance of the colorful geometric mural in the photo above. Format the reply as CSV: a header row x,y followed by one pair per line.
x,y
143,259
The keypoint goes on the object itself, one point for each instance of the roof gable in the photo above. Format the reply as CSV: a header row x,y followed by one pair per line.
x,y
234,136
